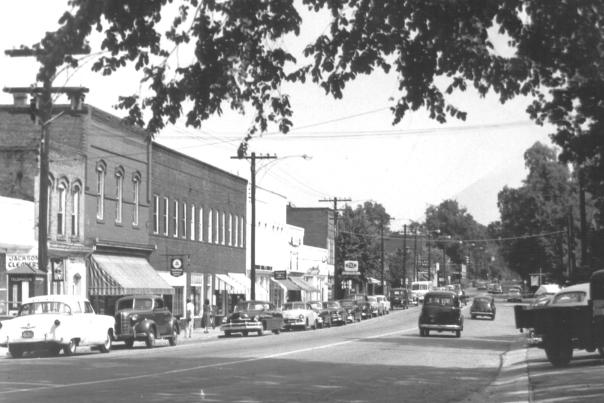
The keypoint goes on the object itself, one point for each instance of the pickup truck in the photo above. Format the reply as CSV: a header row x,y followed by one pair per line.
x,y
564,327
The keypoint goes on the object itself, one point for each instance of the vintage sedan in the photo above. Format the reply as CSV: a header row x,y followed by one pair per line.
x,y
353,310
377,308
54,323
483,305
333,313
384,302
300,315
253,316
441,312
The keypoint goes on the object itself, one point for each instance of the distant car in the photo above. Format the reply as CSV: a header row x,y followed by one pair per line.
x,y
377,309
514,295
253,316
399,298
299,315
352,308
441,311
495,288
366,309
54,323
144,318
333,313
483,306
384,302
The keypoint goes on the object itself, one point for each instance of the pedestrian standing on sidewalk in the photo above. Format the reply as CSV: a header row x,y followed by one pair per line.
x,y
207,312
189,309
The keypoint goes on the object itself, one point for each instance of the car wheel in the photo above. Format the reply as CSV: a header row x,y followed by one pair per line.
x,y
458,333
260,332
150,340
601,351
106,346
421,332
492,317
15,352
276,331
559,350
129,343
316,326
70,348
55,350
244,333
306,324
473,316
174,339
227,334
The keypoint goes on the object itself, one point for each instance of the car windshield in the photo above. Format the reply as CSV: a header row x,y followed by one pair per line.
x,y
250,306
372,299
347,303
569,297
125,304
36,308
315,305
441,300
331,304
288,306
482,301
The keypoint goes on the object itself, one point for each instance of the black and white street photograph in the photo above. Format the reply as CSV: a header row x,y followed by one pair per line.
x,y
256,201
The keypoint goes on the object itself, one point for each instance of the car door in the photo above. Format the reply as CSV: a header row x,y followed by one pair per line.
x,y
161,315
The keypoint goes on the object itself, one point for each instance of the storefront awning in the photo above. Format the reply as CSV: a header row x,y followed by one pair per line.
x,y
242,279
121,275
230,284
27,269
286,284
372,280
303,284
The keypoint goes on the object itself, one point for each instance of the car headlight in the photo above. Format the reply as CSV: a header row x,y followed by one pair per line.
x,y
301,317
134,318
256,318
224,320
57,322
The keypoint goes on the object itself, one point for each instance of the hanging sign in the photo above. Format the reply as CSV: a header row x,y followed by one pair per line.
x,y
177,268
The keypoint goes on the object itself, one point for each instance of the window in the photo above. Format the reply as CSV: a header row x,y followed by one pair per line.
x,y
236,219
100,190
166,216
75,210
192,220
119,195
200,235
155,214
183,220
230,232
62,203
241,232
175,219
210,228
136,181
217,227
223,229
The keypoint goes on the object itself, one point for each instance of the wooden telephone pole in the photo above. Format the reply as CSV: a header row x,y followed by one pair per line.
x,y
337,280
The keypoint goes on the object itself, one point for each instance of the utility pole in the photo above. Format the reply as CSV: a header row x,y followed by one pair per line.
x,y
405,255
382,253
429,257
415,254
571,245
337,280
253,159
43,112
583,218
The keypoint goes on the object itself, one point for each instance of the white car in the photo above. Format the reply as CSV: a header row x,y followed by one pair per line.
x,y
384,302
300,315
55,323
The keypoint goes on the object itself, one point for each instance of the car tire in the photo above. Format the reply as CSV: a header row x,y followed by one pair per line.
x,y
493,317
305,325
129,343
458,333
227,334
260,332
15,352
473,316
106,346
174,339
276,331
70,348
559,350
244,333
55,350
601,351
150,340
421,332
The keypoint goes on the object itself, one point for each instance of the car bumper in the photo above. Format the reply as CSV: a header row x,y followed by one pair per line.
x,y
482,313
240,327
289,323
33,344
440,327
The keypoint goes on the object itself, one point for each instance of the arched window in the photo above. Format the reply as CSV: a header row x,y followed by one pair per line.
x,y
61,207
210,226
76,195
101,169
119,194
136,182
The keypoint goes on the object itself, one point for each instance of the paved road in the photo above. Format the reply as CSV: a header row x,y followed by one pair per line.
x,y
381,359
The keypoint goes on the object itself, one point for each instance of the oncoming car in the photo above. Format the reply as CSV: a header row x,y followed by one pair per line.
x,y
441,312
54,323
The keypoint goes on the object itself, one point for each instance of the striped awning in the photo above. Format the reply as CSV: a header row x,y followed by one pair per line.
x,y
303,284
286,284
230,284
121,275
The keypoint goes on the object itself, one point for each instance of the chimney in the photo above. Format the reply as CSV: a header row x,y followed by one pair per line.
x,y
76,99
20,99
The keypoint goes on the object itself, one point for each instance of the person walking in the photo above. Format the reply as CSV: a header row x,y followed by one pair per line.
x,y
190,308
207,315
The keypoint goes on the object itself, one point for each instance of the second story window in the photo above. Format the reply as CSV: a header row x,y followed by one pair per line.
x,y
136,182
100,191
61,207
192,224
119,195
155,214
230,232
175,219
217,227
76,195
210,226
183,220
166,216
200,235
236,232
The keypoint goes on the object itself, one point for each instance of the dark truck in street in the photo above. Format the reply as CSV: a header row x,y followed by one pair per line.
x,y
564,327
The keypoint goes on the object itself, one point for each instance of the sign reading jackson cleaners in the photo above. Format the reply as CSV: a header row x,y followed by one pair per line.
x,y
351,268
14,261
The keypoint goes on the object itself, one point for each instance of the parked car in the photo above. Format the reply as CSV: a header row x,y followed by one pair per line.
x,y
144,318
353,310
333,313
54,323
495,288
253,316
384,302
366,309
299,315
514,295
377,309
441,311
483,305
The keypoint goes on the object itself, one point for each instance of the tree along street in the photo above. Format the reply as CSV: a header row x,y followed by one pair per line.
x,y
381,359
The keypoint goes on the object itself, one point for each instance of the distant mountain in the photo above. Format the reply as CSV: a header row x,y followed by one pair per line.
x,y
480,198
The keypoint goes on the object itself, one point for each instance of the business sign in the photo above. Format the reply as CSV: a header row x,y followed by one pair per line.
x,y
351,268
177,267
58,270
14,261
280,274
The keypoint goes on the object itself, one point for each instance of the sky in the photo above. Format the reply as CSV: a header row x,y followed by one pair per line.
x,y
345,148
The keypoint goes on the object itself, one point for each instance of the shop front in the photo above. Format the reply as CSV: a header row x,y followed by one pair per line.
x,y
23,279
